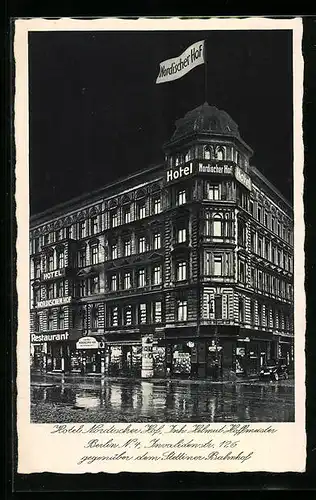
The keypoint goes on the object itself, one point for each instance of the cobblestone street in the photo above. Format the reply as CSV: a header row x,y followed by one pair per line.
x,y
92,399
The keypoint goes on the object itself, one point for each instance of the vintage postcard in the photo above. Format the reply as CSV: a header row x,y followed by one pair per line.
x,y
160,245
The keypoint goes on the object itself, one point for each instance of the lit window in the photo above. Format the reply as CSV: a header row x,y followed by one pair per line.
x,y
217,265
157,241
181,271
82,288
207,153
142,211
61,319
94,225
157,205
217,226
182,310
114,316
82,229
127,280
142,244
187,156
114,219
157,275
141,277
114,251
127,248
94,284
60,259
128,315
50,320
127,216
94,254
113,283
220,154
157,312
213,192
181,197
182,235
142,313
50,262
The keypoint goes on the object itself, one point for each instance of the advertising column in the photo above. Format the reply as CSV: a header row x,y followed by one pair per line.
x,y
147,357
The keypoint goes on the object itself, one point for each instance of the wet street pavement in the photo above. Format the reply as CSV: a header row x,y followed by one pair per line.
x,y
90,399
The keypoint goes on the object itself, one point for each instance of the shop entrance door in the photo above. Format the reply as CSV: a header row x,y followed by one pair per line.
x,y
93,362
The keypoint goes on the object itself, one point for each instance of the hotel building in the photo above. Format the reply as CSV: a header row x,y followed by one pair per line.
x,y
182,269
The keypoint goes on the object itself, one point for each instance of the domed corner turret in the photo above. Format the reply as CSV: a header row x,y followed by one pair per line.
x,y
205,119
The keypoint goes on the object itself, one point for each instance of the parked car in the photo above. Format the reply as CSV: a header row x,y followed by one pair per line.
x,y
274,370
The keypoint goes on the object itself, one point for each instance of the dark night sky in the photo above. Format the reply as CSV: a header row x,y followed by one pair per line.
x,y
96,113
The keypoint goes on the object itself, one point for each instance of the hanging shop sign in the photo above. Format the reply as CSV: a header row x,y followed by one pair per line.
x,y
53,302
243,178
58,273
87,343
49,337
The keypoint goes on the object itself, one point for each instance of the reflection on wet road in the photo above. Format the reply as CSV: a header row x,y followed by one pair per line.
x,y
93,400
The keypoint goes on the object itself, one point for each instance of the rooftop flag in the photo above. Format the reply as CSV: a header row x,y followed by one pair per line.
x,y
175,68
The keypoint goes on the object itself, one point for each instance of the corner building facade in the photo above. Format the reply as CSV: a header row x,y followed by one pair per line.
x,y
183,269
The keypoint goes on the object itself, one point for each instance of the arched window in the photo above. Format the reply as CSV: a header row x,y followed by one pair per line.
x,y
188,156
217,225
207,152
220,153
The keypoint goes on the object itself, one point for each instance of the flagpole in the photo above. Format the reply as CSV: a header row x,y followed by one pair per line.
x,y
205,73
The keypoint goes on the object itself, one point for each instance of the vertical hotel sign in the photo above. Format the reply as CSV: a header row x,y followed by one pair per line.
x,y
243,178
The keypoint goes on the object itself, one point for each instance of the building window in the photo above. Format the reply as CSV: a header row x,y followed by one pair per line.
x,y
266,220
36,245
220,153
157,275
142,244
241,310
127,280
113,284
37,295
241,233
217,265
251,207
127,215
181,271
114,251
217,225
82,229
182,235
50,291
37,268
142,313
50,261
252,312
207,153
114,316
127,248
142,211
181,197
114,219
213,192
94,254
157,312
157,241
94,225
94,284
259,314
141,278
267,249
253,242
59,235
157,206
60,286
50,320
82,288
182,310
127,315
36,323
242,274
60,259
94,315
259,213
82,257
279,258
272,224
260,280
61,319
